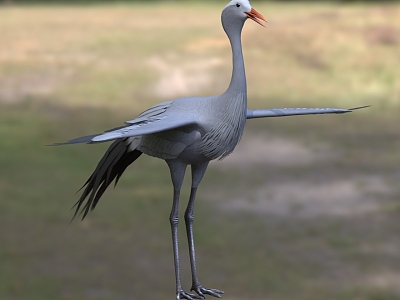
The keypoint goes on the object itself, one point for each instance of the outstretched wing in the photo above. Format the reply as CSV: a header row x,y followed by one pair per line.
x,y
283,112
154,119
149,126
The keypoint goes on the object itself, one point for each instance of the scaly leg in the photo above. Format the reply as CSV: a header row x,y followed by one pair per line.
x,y
177,170
197,175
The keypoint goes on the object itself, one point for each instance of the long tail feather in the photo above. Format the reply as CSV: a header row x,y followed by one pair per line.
x,y
113,164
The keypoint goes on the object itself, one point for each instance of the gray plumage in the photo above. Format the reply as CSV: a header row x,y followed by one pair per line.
x,y
285,112
186,131
113,164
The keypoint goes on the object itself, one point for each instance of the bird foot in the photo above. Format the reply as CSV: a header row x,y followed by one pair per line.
x,y
183,295
201,291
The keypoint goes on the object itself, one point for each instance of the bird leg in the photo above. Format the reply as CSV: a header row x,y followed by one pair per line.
x,y
177,170
197,175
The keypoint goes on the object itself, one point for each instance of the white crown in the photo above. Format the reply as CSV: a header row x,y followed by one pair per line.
x,y
244,3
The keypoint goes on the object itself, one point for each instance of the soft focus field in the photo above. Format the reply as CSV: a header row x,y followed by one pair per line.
x,y
307,208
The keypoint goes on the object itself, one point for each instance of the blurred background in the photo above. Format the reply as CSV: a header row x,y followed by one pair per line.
x,y
306,208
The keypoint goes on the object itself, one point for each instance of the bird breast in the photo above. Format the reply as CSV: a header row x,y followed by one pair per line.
x,y
227,129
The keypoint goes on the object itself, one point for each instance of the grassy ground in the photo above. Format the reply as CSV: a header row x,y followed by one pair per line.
x,y
306,208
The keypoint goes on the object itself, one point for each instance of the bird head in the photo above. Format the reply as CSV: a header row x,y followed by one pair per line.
x,y
242,10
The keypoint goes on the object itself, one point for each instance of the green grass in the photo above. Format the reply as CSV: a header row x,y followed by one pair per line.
x,y
74,70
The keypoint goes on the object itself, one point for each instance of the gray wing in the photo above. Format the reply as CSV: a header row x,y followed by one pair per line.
x,y
152,125
153,120
283,112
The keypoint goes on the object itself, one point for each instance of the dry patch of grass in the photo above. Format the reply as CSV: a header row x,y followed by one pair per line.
x,y
112,55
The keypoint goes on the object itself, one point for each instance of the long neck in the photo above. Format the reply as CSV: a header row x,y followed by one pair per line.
x,y
238,80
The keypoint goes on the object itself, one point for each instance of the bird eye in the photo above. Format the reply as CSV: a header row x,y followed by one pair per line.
x,y
237,5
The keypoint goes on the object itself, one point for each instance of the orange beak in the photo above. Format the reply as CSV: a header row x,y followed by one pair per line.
x,y
256,17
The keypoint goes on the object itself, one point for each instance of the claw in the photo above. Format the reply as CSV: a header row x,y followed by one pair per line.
x,y
201,291
183,295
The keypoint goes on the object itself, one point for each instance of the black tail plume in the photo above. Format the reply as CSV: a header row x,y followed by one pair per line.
x,y
114,162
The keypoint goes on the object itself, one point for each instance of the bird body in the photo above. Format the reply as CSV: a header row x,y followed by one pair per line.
x,y
212,128
186,131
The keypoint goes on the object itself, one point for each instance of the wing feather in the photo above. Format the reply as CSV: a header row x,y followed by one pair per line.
x,y
153,120
153,125
283,112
